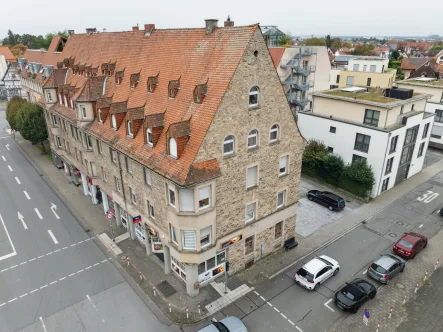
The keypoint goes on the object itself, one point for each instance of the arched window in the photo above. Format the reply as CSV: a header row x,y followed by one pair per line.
x,y
113,121
149,138
228,145
130,133
273,134
172,147
253,139
99,113
254,95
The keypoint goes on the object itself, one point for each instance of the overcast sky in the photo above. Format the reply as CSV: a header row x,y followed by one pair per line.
x,y
318,17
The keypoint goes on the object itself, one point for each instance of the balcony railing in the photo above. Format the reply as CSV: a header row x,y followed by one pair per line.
x,y
305,71
300,86
291,64
308,51
298,100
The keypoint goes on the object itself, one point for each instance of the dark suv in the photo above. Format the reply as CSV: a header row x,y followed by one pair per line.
x,y
330,200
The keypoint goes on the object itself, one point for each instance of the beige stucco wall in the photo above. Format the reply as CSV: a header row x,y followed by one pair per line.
x,y
436,92
382,80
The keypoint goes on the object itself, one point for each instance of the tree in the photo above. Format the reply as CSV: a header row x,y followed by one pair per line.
x,y
31,124
328,41
437,48
315,42
363,49
12,109
336,43
285,38
314,157
395,55
347,45
18,50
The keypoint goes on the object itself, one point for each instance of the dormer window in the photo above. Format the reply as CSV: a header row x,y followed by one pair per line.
x,y
111,69
104,68
99,115
118,77
200,93
152,83
173,88
134,79
49,96
149,138
83,109
72,104
113,122
254,94
173,148
130,132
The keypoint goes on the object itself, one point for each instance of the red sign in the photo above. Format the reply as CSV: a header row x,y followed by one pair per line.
x,y
109,215
137,219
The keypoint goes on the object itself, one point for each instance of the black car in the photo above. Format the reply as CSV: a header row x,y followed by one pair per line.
x,y
441,211
354,294
330,200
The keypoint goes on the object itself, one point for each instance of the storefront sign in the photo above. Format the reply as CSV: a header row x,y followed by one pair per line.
x,y
137,219
152,231
212,267
231,241
157,247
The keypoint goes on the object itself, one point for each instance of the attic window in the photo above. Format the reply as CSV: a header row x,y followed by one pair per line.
x,y
152,83
200,93
173,88
119,77
104,68
60,64
134,79
173,148
111,69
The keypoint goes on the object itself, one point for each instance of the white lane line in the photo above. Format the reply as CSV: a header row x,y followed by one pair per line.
x,y
71,274
420,226
64,248
283,316
10,168
326,305
80,242
18,180
290,321
276,310
38,213
31,260
52,283
364,272
56,250
299,329
52,236
87,240
43,324
256,293
13,253
49,253
1,305
104,260
44,286
96,264
4,270
12,300
26,194
23,263
41,256
79,271
3,157
33,291
263,298
73,244
13,266
23,295
269,304
86,268
62,279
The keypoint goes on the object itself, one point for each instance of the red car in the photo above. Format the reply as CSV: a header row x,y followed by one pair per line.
x,y
410,245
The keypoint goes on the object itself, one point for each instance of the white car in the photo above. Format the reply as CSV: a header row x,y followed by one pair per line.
x,y
316,272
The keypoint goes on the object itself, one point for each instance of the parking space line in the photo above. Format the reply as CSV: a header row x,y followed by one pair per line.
x,y
283,316
263,298
298,328
290,322
326,305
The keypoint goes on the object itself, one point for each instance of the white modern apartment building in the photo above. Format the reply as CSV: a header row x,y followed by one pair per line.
x,y
434,105
388,129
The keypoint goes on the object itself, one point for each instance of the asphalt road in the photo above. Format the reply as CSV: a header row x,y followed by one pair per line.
x,y
53,277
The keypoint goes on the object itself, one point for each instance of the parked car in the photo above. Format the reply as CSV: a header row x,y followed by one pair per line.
x,y
330,200
316,272
228,324
386,267
354,294
410,245
441,211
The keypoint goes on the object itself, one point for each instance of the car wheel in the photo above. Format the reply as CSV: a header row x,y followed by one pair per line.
x,y
336,271
425,245
372,294
330,208
310,198
317,286
403,268
355,310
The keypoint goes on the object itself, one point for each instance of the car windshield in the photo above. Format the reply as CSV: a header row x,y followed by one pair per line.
x,y
405,244
378,268
305,274
221,327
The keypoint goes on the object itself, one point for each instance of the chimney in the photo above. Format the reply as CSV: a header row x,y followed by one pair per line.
x,y
229,23
70,32
135,28
211,24
90,31
149,28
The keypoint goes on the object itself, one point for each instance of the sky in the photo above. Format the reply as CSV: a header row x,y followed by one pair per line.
x,y
315,17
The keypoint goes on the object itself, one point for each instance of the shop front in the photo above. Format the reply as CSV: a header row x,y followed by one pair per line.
x,y
140,232
156,244
124,217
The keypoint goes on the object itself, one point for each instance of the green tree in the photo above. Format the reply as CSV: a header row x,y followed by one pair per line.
x,y
285,38
336,43
363,49
395,55
31,124
315,42
328,41
358,178
12,109
314,157
333,169
437,48
347,45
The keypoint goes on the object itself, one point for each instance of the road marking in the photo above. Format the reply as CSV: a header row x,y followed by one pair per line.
x,y
7,147
20,217
65,248
22,263
86,268
62,279
4,270
283,316
73,244
41,256
31,260
49,253
38,213
326,305
26,194
256,293
33,291
420,226
18,181
104,260
276,310
96,264
80,242
52,283
365,271
10,168
79,271
12,300
263,298
71,274
13,266
13,253
53,208
4,159
290,321
43,324
44,286
52,236
1,305
23,295
56,250
269,304
299,329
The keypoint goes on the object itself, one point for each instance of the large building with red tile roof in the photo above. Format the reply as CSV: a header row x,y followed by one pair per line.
x,y
9,80
187,137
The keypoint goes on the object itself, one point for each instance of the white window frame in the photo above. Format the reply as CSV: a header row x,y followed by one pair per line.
x,y
130,131
149,138
129,165
230,139
114,156
253,134
89,142
205,235
283,203
184,242
133,195
117,183
173,148
148,176
254,212
255,181
83,111
355,67
99,115
172,190
113,122
280,173
186,200
202,198
99,146
274,129
174,237
59,143
256,92
49,96
105,177
151,210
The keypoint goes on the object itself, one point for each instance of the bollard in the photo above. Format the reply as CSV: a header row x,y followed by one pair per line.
x,y
187,312
141,275
169,304
390,312
416,288
127,260
426,276
404,300
199,308
153,288
378,326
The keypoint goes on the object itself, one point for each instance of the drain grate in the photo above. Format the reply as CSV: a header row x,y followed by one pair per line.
x,y
165,288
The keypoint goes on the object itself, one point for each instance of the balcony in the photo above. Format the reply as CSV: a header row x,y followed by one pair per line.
x,y
298,100
305,71
300,86
291,64
308,51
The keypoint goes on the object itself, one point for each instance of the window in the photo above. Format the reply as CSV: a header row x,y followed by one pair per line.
x,y
371,117
332,130
88,142
406,155
114,156
420,149
100,116
132,195
171,196
281,198
117,183
114,122
393,144
273,135
83,109
147,176
358,159
149,138
330,149
252,139
438,115
401,109
72,130
389,165
228,145
130,133
105,177
338,79
151,210
365,67
279,230
283,166
373,68
425,130
368,81
128,165
99,146
411,135
253,96
174,234
350,80
355,67
385,184
204,197
186,200
188,238
252,180
249,245
362,142
250,212
172,148
48,96
205,236
412,107
58,142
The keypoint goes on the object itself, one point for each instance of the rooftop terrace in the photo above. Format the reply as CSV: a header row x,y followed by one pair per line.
x,y
377,97
423,82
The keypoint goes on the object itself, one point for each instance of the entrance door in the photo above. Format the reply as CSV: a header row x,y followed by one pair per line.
x,y
402,173
124,215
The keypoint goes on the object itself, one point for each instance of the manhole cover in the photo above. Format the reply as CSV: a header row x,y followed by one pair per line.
x,y
401,286
398,222
392,235
165,288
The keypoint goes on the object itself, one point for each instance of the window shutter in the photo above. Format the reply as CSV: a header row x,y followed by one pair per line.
x,y
252,176
205,232
204,193
283,162
189,239
186,197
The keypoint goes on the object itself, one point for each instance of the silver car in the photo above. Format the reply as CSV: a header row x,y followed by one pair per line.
x,y
386,267
228,324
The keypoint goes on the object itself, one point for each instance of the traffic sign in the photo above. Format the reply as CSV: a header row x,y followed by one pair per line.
x,y
366,316
109,215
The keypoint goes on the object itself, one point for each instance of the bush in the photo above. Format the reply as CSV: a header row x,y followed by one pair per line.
x,y
12,109
358,178
314,158
333,169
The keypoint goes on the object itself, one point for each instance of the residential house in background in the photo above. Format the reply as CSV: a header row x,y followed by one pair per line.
x,y
433,87
302,71
413,48
364,71
389,129
9,80
409,65
200,161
